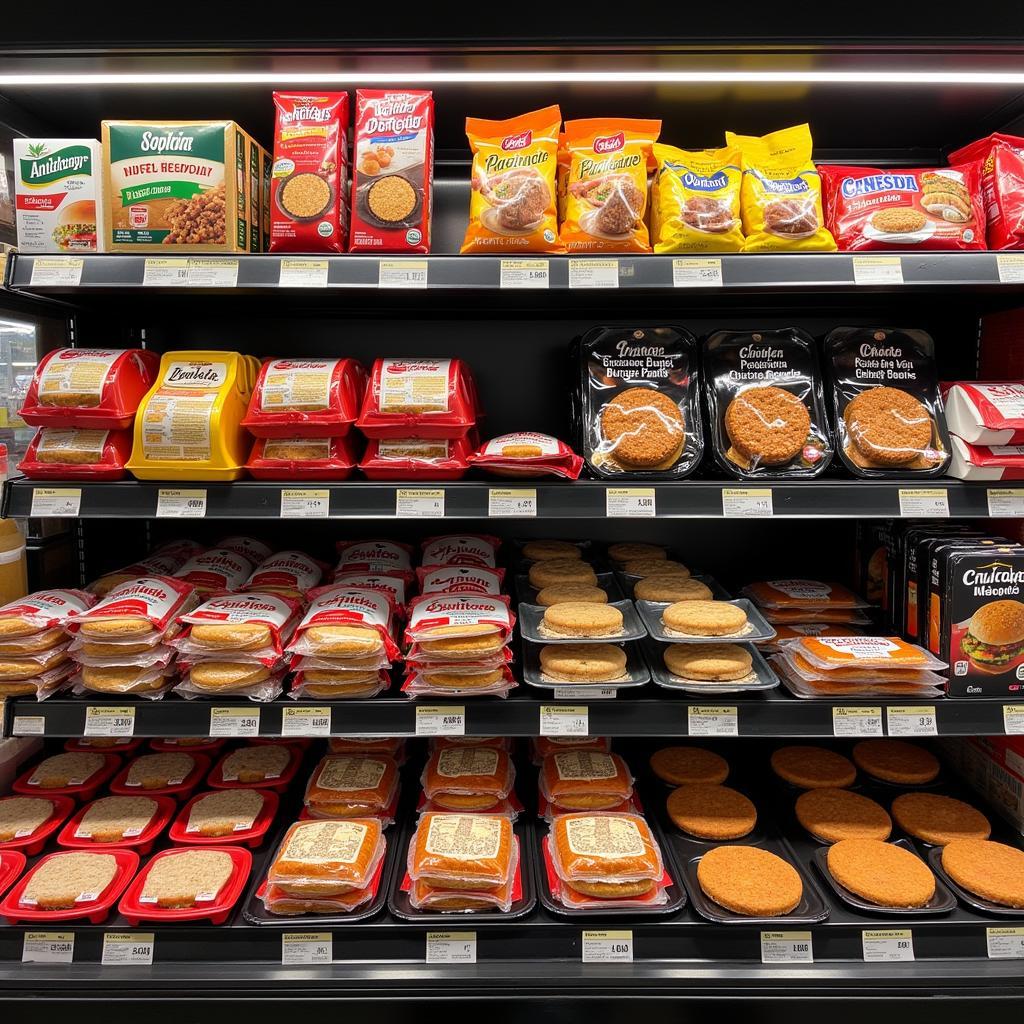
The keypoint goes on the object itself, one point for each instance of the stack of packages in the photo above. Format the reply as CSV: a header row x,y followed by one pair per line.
x,y
84,402
353,786
460,626
986,429
34,646
165,561
301,413
472,774
584,780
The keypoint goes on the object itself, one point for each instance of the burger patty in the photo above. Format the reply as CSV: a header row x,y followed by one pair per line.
x,y
991,654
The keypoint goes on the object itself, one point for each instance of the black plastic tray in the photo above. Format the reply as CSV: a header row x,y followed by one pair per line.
x,y
934,857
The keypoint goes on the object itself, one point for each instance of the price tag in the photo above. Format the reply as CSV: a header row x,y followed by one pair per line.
x,y
306,721
307,948
161,272
857,721
630,502
911,721
1013,719
28,725
1006,502
786,948
451,947
747,502
402,274
1002,943
877,270
419,503
59,272
304,503
212,273
128,947
48,948
924,503
887,945
722,721
564,720
441,720
590,273
56,501
696,273
303,274
1011,267
234,721
175,503
102,720
585,692
524,274
520,502
601,947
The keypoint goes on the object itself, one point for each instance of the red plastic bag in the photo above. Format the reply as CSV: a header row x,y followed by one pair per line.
x,y
415,459
1002,185
527,454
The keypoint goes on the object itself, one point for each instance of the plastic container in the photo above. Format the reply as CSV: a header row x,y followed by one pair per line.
x,y
102,454
141,844
113,744
181,789
277,784
531,625
11,865
85,790
34,842
251,837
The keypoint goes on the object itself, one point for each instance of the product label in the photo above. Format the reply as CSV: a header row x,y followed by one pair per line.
x,y
877,270
630,502
459,550
524,273
911,721
1001,943
704,721
786,948
441,720
177,503
465,837
103,720
414,387
297,384
591,273
857,721
459,761
234,722
73,375
176,426
747,503
58,272
451,948
48,948
348,774
860,648
585,765
606,947
1013,719
604,836
806,591
697,273
128,947
71,445
306,721
887,946
519,502
565,719
403,274
1006,503
325,842
419,503
303,274
306,948
55,502
924,503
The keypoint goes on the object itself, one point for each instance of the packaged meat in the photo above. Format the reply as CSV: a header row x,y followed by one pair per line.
x,y
346,786
42,610
256,622
468,778
989,413
58,453
460,579
136,610
302,458
527,454
416,459
344,622
216,571
1002,185
462,851
445,619
577,780
289,573
460,549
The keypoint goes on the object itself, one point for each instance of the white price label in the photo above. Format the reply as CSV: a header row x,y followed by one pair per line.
x,y
584,692
212,272
441,720
28,725
924,503
305,503
564,720
128,947
747,502
419,503
630,502
697,273
601,947
911,721
857,721
1003,943
303,274
451,947
786,948
307,948
1013,719
1006,503
591,273
402,274
888,945
59,272
176,503
517,502
1011,267
524,274
234,721
102,720
723,721
48,948
877,270
164,272
306,721
56,501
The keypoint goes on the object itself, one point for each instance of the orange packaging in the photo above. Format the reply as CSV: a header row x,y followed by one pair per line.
x,y
350,787
327,858
543,746
802,594
462,851
836,652
468,778
606,190
613,848
512,206
585,780
803,616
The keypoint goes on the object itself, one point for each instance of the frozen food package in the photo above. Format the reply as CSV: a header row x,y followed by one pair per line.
x,y
392,558
417,459
1002,184
462,851
478,549
829,653
215,571
597,852
468,778
302,458
42,610
327,858
527,454
346,622
577,780
70,453
988,413
807,594
136,610
292,573
347,786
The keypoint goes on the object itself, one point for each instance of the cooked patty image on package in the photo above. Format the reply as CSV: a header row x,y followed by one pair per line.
x,y
638,412
765,403
885,403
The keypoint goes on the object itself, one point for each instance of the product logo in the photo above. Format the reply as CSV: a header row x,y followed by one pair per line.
x,y
781,186
307,112
880,351
188,374
395,366
873,183
993,573
700,182
624,349
609,143
303,364
513,142
166,142
42,168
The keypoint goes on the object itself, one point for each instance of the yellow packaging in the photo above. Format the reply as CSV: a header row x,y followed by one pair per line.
x,y
188,426
606,195
781,193
695,200
512,205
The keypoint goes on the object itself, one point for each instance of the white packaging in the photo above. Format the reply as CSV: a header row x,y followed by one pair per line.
x,y
985,462
985,413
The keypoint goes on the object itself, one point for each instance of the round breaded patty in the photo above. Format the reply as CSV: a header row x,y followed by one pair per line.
x,y
888,426
644,428
881,873
711,811
750,881
582,663
767,425
577,618
629,551
654,567
563,593
548,550
993,871
463,681
938,819
813,767
683,766
708,662
117,678
465,647
704,618
671,588
835,814
132,625
561,570
612,890
896,761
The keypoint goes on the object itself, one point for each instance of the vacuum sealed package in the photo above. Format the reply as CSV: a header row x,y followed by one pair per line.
x,y
527,454
885,402
415,459
637,413
765,404
302,458
59,453
477,549
217,571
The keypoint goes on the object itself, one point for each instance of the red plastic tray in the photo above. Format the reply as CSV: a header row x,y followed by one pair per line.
x,y
216,911
251,837
183,789
215,780
142,843
122,745
170,746
303,742
95,910
11,865
33,844
86,791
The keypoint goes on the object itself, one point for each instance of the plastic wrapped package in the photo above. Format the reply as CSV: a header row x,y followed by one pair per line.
x,y
349,786
303,458
425,896
327,858
291,573
468,778
527,454
606,855
476,549
462,851
215,571
257,623
346,622
416,459
577,780
384,557
69,453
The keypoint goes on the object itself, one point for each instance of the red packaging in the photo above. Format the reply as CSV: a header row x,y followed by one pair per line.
x,y
276,783
347,606
478,549
142,843
248,547
305,398
392,171
252,837
985,462
384,557
393,587
308,211
435,399
279,614
85,788
34,841
984,412
57,453
442,616
11,865
217,571
527,454
160,599
44,609
915,209
460,579
288,572
414,459
302,458
1002,185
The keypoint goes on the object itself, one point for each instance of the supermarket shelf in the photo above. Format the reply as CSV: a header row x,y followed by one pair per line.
x,y
582,499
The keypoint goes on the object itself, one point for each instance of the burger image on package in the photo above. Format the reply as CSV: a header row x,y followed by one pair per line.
x,y
995,635
76,227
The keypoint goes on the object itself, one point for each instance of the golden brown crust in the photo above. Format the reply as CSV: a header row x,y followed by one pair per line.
x,y
835,814
680,765
813,767
767,425
990,870
896,761
881,873
711,811
750,881
938,819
